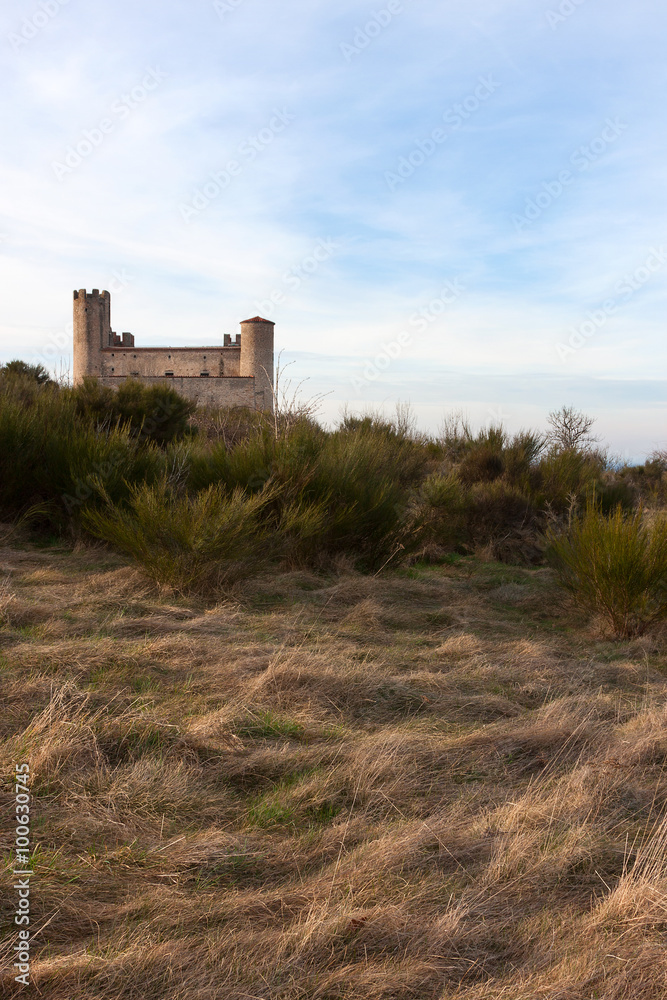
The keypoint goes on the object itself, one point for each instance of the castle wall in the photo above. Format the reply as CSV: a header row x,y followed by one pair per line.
x,y
143,362
239,373
203,391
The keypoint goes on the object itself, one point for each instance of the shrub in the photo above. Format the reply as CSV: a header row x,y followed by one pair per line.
x,y
648,482
48,455
154,413
520,457
610,495
227,424
454,436
481,464
502,517
439,506
187,542
562,476
345,491
94,402
402,451
491,453
616,566
21,369
361,476
302,529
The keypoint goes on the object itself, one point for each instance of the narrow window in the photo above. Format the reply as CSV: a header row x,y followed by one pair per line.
x,y
203,374
169,374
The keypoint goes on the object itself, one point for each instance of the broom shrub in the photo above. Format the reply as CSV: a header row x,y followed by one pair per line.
x,y
191,543
616,567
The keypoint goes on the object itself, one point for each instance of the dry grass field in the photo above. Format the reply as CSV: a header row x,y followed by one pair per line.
x,y
434,783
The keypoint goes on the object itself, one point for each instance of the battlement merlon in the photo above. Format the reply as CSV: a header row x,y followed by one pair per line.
x,y
96,293
249,355
127,340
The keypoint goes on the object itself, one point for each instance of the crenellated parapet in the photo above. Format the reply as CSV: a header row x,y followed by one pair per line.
x,y
239,369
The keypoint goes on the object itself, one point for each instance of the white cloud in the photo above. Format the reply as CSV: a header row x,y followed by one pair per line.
x,y
323,177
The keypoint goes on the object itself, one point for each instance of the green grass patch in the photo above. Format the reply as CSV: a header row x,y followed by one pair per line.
x,y
269,726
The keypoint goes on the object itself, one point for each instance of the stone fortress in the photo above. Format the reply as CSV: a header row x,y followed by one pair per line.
x,y
240,373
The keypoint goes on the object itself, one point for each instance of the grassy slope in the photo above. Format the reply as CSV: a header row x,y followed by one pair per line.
x,y
431,784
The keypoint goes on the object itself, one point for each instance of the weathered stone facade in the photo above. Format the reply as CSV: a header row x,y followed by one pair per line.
x,y
239,373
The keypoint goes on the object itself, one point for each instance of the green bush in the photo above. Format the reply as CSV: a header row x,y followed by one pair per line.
x,y
647,482
520,457
191,543
94,402
616,567
154,413
48,455
126,460
610,495
362,477
481,464
439,506
564,476
353,484
227,424
21,369
504,518
491,454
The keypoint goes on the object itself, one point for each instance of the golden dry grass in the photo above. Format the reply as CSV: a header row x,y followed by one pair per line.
x,y
436,783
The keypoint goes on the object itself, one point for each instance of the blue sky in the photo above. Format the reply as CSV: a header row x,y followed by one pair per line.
x,y
458,205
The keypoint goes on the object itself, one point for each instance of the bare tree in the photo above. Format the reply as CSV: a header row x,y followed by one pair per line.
x,y
288,406
570,429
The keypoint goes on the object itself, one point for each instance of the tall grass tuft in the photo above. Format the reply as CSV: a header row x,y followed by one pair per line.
x,y
190,543
616,567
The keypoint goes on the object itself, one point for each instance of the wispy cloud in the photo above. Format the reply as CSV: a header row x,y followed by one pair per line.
x,y
226,70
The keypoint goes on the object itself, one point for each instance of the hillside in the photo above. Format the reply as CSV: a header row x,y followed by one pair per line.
x,y
434,782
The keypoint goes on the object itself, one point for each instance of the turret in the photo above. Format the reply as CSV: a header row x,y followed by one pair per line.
x,y
257,358
92,332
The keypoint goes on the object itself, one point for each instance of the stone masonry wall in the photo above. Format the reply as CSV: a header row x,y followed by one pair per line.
x,y
155,361
203,391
